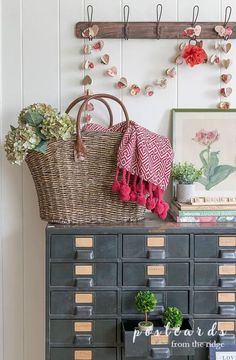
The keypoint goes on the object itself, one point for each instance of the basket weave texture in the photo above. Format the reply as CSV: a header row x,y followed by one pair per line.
x,y
72,192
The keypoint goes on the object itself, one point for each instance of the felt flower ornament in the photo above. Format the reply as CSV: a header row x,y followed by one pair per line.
x,y
194,54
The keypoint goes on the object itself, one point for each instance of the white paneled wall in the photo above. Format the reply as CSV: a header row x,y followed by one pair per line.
x,y
40,63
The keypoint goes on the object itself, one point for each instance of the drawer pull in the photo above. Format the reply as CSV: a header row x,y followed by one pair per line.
x,y
227,339
226,297
156,241
228,282
84,255
227,241
160,353
227,310
82,339
156,283
83,355
84,242
84,311
83,283
156,254
228,254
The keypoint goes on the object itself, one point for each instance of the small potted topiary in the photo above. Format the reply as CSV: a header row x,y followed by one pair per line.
x,y
172,318
146,302
185,174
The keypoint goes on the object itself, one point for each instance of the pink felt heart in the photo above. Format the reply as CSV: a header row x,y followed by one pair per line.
x,y
226,78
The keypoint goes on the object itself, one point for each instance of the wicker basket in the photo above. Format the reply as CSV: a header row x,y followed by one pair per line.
x,y
72,192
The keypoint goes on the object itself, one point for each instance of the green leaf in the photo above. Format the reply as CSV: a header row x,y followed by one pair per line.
x,y
12,127
38,132
42,147
203,160
220,174
203,180
213,162
33,118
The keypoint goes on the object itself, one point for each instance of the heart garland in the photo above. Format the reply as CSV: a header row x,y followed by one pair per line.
x,y
187,53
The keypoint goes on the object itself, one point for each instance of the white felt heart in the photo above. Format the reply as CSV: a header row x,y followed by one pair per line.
x,y
220,30
112,71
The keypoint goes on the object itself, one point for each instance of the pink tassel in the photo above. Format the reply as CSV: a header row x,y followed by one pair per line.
x,y
162,207
141,198
133,194
116,184
151,202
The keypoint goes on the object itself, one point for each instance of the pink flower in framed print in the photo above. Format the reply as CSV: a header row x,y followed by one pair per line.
x,y
213,172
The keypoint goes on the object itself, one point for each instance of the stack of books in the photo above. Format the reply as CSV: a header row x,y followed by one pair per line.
x,y
186,213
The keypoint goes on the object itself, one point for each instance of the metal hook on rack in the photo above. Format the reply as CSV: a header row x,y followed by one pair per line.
x,y
195,15
90,18
228,13
126,21
159,9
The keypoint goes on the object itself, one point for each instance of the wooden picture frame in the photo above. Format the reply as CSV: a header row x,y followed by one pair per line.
x,y
207,138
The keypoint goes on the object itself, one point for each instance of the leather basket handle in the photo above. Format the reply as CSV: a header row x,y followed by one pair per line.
x,y
79,146
85,97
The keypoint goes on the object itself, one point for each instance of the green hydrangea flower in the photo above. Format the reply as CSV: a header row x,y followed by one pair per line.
x,y
38,123
19,141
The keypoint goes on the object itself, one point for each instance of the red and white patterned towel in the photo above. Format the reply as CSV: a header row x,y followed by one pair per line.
x,y
143,165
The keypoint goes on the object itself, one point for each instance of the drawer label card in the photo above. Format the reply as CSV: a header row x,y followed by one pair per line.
x,y
226,297
153,270
81,326
155,241
226,326
227,269
159,339
227,241
83,355
82,298
83,270
84,242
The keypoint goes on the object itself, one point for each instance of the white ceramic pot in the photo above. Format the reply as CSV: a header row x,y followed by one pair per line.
x,y
185,192
143,326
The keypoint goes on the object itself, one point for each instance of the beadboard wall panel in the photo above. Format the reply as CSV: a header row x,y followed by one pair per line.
x,y
40,62
12,194
41,83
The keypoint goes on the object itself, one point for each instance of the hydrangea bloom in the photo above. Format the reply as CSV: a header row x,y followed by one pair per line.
x,y
38,123
19,141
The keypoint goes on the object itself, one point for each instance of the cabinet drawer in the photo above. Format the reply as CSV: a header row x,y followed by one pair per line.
x,y
179,299
223,330
214,246
215,303
82,303
155,275
83,333
157,345
83,354
83,275
156,246
83,247
218,275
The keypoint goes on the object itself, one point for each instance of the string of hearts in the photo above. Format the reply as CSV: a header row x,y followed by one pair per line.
x,y
191,53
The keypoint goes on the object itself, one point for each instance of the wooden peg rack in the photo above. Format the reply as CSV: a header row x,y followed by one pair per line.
x,y
148,30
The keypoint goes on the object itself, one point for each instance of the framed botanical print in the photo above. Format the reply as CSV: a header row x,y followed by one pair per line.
x,y
207,138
